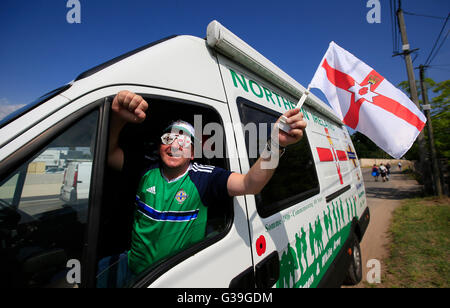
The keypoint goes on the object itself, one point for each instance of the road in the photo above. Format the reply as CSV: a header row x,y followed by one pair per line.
x,y
383,198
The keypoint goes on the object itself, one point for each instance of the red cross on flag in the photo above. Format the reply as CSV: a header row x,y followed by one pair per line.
x,y
367,102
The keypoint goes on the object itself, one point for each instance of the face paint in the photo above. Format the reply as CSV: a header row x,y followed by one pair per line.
x,y
183,140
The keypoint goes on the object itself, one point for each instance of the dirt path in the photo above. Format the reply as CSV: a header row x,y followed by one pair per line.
x,y
383,198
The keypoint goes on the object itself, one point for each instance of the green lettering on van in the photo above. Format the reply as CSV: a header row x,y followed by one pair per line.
x,y
278,98
261,94
305,113
259,91
243,82
287,104
269,95
322,122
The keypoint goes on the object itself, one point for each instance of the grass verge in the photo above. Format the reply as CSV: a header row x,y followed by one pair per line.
x,y
420,245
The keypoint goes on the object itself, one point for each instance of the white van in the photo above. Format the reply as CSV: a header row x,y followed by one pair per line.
x,y
77,179
302,230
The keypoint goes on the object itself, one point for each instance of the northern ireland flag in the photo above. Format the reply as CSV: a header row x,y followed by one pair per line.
x,y
367,102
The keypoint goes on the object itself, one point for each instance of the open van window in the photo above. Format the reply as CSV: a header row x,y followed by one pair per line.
x,y
295,179
141,143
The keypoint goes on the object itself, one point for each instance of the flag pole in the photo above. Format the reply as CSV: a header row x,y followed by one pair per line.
x,y
303,98
283,124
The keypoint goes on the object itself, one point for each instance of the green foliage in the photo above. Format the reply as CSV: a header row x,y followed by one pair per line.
x,y
365,148
440,118
440,115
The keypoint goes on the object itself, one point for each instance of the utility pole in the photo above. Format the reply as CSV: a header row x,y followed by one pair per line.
x,y
426,107
414,97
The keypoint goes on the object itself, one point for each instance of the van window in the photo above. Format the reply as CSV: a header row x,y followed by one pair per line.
x,y
295,178
120,206
43,210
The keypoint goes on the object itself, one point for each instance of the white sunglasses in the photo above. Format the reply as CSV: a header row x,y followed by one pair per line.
x,y
183,140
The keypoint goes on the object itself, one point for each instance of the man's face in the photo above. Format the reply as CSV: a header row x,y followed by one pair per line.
x,y
178,151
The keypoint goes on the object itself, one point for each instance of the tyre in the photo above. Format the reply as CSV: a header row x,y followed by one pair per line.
x,y
354,272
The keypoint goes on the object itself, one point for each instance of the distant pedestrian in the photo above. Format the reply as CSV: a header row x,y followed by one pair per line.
x,y
400,166
388,167
375,172
383,172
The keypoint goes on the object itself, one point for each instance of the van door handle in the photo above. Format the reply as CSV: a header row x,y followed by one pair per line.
x,y
267,272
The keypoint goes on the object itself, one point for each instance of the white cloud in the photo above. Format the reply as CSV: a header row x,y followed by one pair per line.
x,y
6,108
4,101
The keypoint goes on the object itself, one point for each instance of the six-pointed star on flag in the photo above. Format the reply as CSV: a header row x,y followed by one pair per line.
x,y
362,92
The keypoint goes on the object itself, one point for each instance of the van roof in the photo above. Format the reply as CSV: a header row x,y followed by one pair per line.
x,y
231,46
104,65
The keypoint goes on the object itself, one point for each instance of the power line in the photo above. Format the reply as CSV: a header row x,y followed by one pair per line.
x,y
423,15
392,28
439,65
440,46
428,61
395,30
439,68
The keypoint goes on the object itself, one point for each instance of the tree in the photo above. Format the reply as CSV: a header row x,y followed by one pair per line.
x,y
440,118
366,148
440,114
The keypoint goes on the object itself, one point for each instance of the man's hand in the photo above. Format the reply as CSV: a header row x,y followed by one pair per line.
x,y
129,106
294,118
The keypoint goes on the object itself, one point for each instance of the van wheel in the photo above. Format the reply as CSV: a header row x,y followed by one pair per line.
x,y
354,272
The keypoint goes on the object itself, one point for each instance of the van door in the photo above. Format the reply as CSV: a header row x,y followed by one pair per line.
x,y
44,237
223,257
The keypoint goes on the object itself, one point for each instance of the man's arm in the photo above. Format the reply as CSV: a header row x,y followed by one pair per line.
x,y
258,176
127,108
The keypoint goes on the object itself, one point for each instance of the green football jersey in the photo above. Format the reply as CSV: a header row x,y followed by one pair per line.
x,y
172,215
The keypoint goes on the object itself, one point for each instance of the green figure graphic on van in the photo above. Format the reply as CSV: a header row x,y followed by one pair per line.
x,y
341,207
304,247
288,266
301,246
349,215
323,248
311,242
335,217
318,235
338,212
330,220
326,219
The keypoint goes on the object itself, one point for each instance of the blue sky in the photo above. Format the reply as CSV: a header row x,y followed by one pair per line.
x,y
40,50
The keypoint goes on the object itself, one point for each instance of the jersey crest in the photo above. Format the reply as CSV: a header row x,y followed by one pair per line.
x,y
181,196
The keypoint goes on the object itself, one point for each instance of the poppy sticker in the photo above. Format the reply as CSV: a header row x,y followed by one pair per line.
x,y
261,245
